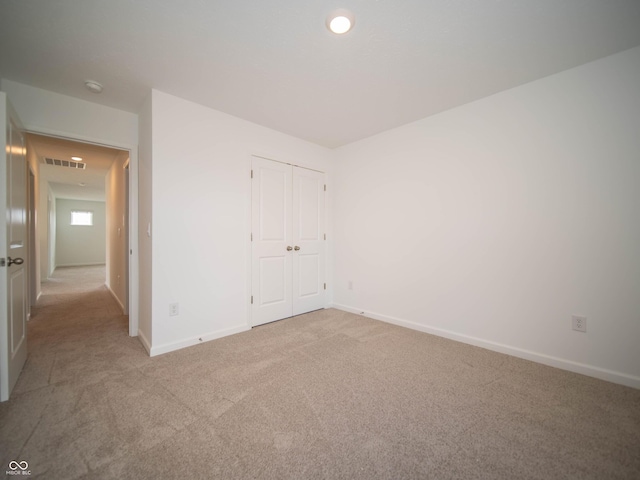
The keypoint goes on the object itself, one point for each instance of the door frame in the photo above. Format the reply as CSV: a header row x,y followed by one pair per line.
x,y
133,298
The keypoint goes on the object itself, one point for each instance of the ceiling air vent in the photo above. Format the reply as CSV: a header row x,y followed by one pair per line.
x,y
64,163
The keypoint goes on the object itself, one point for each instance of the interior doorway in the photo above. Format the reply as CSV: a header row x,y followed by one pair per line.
x,y
72,172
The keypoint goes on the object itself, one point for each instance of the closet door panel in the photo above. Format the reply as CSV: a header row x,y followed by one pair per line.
x,y
271,231
308,239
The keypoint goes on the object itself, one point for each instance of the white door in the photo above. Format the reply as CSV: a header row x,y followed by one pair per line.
x,y
287,220
308,240
271,241
13,251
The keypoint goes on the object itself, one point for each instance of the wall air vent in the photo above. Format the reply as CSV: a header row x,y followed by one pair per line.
x,y
64,163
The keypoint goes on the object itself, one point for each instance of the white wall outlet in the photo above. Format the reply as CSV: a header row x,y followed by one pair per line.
x,y
174,309
579,323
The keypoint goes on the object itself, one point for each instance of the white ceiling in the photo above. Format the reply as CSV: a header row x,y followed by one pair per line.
x,y
274,62
64,181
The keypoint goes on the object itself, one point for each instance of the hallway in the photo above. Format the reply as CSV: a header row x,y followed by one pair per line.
x,y
77,332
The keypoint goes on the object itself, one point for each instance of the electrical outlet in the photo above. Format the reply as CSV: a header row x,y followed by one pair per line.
x,y
173,309
579,323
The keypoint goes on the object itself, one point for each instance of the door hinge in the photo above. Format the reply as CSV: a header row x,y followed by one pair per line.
x,y
251,299
251,173
325,286
325,187
325,236
252,236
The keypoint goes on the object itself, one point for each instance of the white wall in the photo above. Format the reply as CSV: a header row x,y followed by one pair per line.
x,y
117,230
494,222
80,245
201,213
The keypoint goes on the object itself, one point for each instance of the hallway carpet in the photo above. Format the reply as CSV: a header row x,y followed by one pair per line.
x,y
326,395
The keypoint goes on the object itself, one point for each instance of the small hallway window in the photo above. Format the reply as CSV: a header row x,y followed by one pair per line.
x,y
81,217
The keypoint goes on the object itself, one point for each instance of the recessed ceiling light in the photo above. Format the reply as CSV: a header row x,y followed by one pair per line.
x,y
77,159
340,21
93,86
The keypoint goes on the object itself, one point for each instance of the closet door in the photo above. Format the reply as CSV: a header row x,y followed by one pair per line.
x,y
308,240
272,251
287,248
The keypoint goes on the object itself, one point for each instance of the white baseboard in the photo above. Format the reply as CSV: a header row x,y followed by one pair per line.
x,y
145,343
115,297
584,369
188,342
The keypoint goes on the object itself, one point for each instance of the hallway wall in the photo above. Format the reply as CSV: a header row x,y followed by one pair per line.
x,y
117,228
34,167
80,245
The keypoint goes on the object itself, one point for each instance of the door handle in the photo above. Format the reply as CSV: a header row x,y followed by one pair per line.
x,y
289,248
296,248
17,261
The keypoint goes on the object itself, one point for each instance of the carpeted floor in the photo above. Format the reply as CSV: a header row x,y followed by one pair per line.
x,y
326,395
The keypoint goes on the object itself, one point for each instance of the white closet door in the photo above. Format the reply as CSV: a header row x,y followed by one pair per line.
x,y
271,230
308,240
287,257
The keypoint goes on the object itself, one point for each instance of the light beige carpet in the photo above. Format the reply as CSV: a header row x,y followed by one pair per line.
x,y
327,395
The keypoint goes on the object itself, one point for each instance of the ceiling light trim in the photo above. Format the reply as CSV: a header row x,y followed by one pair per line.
x,y
340,21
